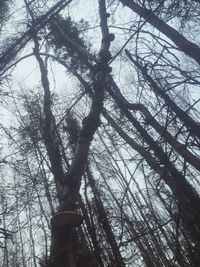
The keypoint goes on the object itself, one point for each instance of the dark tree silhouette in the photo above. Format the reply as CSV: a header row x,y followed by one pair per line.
x,y
106,173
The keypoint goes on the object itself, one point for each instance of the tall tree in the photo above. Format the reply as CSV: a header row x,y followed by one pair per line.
x,y
122,189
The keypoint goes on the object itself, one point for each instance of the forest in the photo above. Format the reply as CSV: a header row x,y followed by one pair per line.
x,y
100,133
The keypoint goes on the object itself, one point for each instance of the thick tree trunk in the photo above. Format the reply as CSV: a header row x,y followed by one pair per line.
x,y
66,248
65,243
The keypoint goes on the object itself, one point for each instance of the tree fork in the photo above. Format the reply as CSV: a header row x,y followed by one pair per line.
x,y
66,250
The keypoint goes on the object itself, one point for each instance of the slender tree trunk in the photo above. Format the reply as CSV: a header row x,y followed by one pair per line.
x,y
186,46
103,219
93,236
182,115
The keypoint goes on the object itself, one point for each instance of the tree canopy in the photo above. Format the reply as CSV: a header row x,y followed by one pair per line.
x,y
100,133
